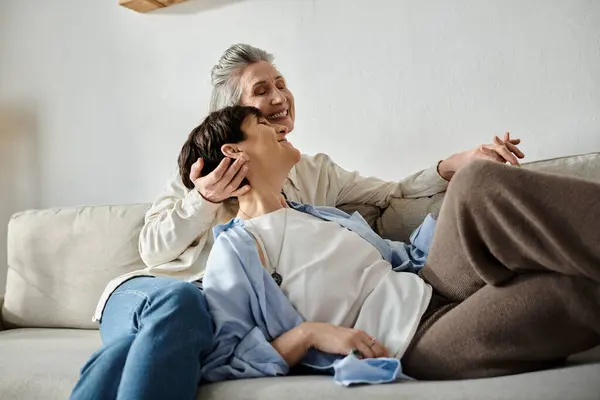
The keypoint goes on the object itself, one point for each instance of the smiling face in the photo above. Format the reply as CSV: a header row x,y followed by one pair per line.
x,y
270,155
265,88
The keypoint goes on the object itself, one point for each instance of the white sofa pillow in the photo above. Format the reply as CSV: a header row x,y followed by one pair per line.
x,y
59,261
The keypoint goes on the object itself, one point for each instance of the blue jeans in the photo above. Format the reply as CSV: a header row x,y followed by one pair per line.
x,y
155,333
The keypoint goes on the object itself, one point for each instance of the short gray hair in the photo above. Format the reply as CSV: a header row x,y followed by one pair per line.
x,y
225,75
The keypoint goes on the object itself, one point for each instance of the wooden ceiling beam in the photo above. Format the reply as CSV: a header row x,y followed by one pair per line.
x,y
144,6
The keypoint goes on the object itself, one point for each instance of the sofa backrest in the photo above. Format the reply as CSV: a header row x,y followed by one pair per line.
x,y
405,215
59,260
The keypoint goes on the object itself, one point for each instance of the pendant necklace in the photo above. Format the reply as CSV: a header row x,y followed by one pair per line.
x,y
275,275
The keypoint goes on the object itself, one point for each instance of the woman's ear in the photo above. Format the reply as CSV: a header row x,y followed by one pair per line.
x,y
231,151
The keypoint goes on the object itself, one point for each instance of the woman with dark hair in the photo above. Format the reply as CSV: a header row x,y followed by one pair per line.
x,y
511,283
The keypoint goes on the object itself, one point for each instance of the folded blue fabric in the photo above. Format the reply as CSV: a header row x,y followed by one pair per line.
x,y
353,371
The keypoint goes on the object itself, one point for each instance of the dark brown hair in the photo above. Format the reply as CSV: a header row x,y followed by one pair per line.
x,y
205,141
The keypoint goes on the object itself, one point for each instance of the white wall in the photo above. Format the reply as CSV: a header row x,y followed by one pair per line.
x,y
385,87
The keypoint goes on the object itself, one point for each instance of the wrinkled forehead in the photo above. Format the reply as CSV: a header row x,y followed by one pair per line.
x,y
260,72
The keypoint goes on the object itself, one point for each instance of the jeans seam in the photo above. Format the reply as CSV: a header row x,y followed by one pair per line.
x,y
138,293
133,291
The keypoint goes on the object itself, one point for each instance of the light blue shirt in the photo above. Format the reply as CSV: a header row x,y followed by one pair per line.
x,y
250,310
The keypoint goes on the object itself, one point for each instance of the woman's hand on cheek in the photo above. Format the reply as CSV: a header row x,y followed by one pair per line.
x,y
503,151
334,339
223,182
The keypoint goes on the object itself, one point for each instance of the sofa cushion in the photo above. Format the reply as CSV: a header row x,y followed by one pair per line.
x,y
45,364
59,261
405,215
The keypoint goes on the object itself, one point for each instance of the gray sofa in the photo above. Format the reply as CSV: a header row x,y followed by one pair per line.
x,y
60,259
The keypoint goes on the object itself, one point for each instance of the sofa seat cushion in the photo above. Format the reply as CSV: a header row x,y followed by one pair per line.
x,y
45,364
574,383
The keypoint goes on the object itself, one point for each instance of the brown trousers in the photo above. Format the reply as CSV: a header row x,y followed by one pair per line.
x,y
515,270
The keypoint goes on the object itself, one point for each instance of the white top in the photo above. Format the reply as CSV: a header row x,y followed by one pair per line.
x,y
176,237
331,274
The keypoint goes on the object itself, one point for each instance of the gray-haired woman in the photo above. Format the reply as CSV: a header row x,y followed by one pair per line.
x,y
154,323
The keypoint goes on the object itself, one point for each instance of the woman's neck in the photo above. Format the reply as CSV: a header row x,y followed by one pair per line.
x,y
260,201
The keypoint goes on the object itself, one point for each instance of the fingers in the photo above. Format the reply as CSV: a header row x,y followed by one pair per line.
x,y
364,343
241,191
218,172
196,170
379,350
498,141
223,182
364,349
508,156
503,151
514,149
370,347
229,175
508,139
511,145
490,154
237,180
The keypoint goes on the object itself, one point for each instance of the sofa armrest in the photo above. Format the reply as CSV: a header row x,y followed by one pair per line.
x,y
1,305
